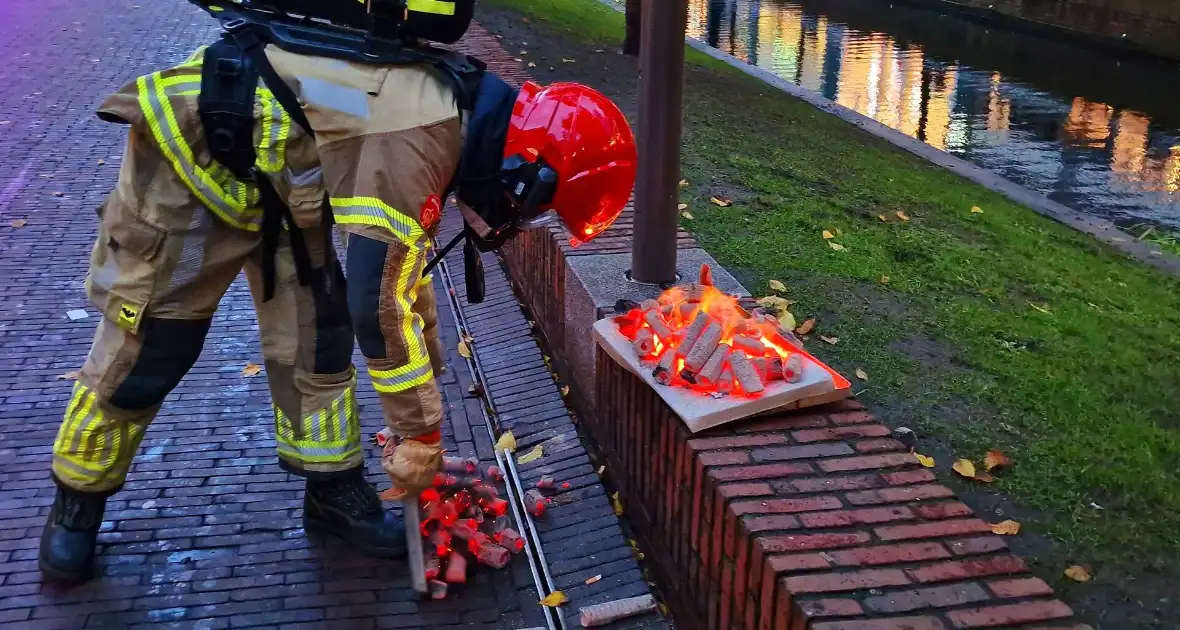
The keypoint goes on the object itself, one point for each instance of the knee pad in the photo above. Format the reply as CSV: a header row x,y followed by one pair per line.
x,y
168,350
366,267
333,327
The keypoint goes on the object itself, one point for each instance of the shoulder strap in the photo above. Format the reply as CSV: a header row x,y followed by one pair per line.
x,y
245,35
226,106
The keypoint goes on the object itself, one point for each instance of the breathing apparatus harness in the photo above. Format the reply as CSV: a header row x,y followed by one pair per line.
x,y
498,196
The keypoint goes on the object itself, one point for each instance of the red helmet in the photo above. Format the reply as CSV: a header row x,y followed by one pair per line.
x,y
584,137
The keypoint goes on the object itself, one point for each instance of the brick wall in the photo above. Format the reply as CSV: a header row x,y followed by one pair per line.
x,y
1152,24
809,520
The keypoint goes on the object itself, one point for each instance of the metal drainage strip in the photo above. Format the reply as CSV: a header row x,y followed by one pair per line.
x,y
533,551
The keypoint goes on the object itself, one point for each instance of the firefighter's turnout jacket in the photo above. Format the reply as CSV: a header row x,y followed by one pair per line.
x,y
179,228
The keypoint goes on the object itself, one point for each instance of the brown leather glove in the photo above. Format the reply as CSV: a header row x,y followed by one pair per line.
x,y
412,464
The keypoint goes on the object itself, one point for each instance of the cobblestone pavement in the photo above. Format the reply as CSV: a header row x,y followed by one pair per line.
x,y
206,533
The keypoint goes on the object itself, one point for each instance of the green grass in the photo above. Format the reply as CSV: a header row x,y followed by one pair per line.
x,y
1041,341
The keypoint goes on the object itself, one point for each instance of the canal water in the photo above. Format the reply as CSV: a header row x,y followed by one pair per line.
x,y
1086,129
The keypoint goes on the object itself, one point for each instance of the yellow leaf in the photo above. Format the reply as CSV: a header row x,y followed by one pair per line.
x,y
688,215
721,201
68,376
1040,308
683,206
616,504
976,210
995,459
882,218
778,307
591,580
836,246
684,183
506,443
806,326
884,279
861,374
924,460
464,350
554,599
531,456
776,285
1006,528
828,234
19,223
251,369
1077,574
565,390
901,215
964,467
830,340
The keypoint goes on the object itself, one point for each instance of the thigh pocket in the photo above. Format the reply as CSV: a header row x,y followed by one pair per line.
x,y
125,266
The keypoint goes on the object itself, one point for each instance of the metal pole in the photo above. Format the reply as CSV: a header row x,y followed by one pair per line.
x,y
661,62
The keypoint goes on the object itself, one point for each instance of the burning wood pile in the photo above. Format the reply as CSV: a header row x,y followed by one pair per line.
x,y
698,337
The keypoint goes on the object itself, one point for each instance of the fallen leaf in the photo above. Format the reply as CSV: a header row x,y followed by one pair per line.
x,y
564,60
59,194
861,374
806,326
684,183
101,162
391,494
924,460
19,223
1006,528
830,340
901,215
836,246
1077,574
965,468
721,201
68,376
475,390
532,64
525,20
524,53
776,285
976,210
683,206
995,459
984,477
531,456
688,215
591,580
776,305
616,504
601,469
1040,308
565,390
554,599
882,218
251,369
506,443
828,234
464,350
884,279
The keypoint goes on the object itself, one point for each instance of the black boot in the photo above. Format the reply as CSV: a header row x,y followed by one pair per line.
x,y
68,540
348,507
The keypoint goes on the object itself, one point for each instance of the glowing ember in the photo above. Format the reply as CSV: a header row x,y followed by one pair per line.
x,y
700,338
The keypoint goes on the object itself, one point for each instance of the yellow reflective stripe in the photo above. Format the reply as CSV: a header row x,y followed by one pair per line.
x,y
336,438
373,211
67,423
403,378
438,7
75,440
158,112
276,127
406,293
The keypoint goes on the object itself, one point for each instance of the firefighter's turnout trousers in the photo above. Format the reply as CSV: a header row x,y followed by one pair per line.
x,y
179,228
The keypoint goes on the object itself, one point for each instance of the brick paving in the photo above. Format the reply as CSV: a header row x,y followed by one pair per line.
x,y
206,532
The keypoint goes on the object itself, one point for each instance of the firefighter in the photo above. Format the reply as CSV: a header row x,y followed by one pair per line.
x,y
244,157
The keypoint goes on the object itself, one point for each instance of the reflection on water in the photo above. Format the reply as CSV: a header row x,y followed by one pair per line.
x,y
1001,100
